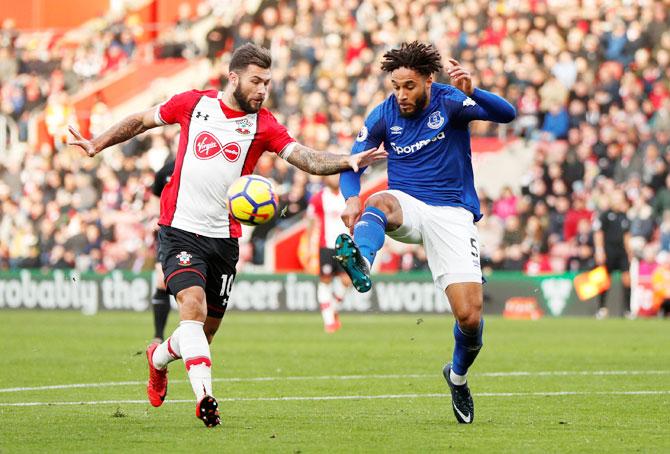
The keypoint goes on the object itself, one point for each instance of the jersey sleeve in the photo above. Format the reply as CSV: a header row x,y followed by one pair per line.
x,y
175,109
277,136
484,105
372,133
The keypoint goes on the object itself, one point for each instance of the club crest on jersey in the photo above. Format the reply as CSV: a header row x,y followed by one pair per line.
x,y
184,258
395,130
435,120
362,135
243,126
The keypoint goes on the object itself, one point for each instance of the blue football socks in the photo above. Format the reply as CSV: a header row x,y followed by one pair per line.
x,y
466,348
369,232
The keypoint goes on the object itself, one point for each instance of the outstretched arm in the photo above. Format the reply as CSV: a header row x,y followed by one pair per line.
x,y
325,163
125,129
487,106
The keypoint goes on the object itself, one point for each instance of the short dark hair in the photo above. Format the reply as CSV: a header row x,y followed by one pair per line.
x,y
250,54
422,58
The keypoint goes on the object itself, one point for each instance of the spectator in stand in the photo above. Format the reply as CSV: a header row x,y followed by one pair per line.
x,y
506,205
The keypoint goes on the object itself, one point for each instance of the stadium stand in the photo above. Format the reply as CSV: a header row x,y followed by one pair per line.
x,y
590,81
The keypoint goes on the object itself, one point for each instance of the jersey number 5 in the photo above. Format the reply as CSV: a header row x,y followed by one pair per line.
x,y
475,250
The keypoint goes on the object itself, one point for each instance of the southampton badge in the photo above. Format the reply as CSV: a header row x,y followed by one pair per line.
x,y
184,258
243,126
435,120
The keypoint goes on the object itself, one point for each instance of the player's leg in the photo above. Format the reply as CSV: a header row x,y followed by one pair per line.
x,y
160,305
325,295
451,241
340,284
185,270
624,266
466,303
382,213
611,264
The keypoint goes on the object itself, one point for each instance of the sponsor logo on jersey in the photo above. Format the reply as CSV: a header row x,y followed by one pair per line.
x,y
435,120
362,135
206,145
468,102
396,130
416,146
184,258
231,151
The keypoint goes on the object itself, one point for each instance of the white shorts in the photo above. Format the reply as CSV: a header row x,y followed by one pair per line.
x,y
448,234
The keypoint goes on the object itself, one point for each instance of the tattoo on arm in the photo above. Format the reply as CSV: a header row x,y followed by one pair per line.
x,y
126,129
318,162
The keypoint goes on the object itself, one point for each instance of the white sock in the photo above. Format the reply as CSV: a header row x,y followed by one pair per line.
x,y
200,376
339,290
368,262
456,379
194,349
324,295
168,351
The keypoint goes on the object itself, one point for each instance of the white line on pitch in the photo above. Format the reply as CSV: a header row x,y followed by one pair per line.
x,y
320,398
347,377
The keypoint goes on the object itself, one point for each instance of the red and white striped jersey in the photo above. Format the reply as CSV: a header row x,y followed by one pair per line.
x,y
327,206
216,146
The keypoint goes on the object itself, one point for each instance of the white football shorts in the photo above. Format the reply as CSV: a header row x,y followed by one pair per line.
x,y
448,234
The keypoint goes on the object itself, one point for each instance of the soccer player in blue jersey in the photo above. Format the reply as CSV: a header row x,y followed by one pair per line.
x,y
431,199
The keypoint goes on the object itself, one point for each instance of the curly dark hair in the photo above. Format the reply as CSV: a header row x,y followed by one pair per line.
x,y
422,58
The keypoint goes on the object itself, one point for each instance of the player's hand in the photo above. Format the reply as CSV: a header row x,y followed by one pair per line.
x,y
81,142
460,78
600,257
351,212
364,159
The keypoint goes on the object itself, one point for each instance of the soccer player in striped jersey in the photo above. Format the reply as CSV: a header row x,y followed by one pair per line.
x,y
222,136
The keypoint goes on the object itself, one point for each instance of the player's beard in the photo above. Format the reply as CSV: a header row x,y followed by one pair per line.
x,y
418,106
242,101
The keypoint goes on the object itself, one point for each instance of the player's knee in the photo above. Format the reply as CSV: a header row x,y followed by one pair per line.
x,y
381,202
192,304
470,322
470,319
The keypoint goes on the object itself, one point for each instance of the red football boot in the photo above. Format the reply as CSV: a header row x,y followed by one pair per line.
x,y
157,384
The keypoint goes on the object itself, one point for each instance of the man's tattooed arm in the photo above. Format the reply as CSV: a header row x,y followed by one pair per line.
x,y
318,162
125,129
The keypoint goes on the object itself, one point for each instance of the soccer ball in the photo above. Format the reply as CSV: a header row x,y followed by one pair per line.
x,y
252,200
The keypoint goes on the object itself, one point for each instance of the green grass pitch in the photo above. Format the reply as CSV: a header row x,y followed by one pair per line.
x,y
554,385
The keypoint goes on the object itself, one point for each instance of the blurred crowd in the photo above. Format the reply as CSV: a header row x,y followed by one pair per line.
x,y
590,80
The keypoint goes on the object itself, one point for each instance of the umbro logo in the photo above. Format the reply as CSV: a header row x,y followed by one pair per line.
x,y
468,102
200,115
396,130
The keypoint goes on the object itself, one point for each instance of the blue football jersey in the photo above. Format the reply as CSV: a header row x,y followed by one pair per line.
x,y
429,155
